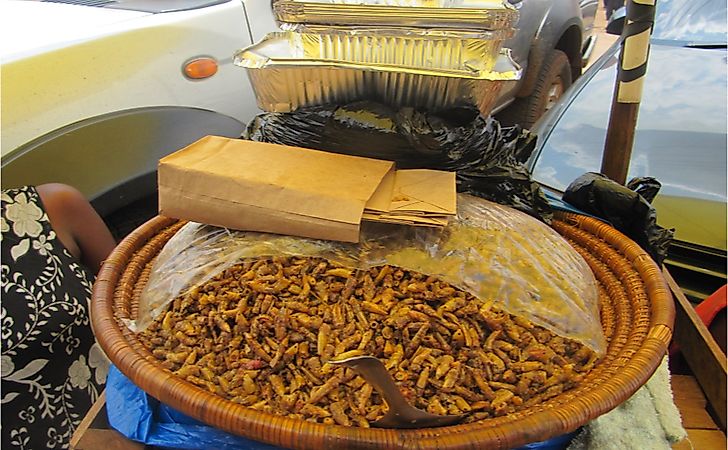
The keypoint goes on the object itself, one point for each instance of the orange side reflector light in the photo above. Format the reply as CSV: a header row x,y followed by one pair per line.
x,y
200,68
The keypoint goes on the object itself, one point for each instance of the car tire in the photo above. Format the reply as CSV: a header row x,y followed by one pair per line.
x,y
553,79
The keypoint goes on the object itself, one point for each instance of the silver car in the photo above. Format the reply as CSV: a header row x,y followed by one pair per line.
x,y
681,137
555,40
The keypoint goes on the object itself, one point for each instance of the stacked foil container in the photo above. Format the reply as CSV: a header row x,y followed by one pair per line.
x,y
433,54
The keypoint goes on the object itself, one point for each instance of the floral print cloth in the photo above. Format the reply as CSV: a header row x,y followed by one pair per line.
x,y
52,368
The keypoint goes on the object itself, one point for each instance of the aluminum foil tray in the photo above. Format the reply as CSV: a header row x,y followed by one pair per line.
x,y
402,47
284,80
461,14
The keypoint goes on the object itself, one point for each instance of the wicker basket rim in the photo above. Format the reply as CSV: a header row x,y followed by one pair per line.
x,y
286,431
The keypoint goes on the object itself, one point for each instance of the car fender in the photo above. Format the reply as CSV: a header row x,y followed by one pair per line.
x,y
134,63
560,28
112,158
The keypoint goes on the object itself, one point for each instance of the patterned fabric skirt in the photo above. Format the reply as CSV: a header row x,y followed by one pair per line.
x,y
52,368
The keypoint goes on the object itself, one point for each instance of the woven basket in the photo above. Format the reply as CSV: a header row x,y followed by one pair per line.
x,y
637,315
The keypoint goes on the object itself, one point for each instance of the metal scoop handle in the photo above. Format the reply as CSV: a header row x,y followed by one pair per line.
x,y
400,414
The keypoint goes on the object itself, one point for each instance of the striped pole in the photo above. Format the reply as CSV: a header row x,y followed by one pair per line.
x,y
628,88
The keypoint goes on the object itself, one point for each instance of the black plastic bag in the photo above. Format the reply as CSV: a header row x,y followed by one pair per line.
x,y
624,207
647,187
488,159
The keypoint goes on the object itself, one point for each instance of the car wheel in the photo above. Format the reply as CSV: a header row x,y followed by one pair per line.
x,y
553,79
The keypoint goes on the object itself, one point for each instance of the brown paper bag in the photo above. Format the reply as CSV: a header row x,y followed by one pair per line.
x,y
273,188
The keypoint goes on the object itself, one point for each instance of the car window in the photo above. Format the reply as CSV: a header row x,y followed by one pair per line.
x,y
692,22
681,137
679,143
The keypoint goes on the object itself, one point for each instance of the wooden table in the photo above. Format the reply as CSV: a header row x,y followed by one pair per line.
x,y
702,430
94,431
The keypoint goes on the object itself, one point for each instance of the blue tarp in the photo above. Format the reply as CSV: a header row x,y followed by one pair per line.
x,y
142,418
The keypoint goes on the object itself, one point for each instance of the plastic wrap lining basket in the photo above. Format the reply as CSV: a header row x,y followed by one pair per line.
x,y
637,317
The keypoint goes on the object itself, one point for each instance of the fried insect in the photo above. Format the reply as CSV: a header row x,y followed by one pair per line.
x,y
262,333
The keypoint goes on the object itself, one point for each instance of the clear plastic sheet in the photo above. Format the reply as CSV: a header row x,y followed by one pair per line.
x,y
494,252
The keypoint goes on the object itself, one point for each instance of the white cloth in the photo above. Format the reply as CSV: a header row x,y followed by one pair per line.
x,y
649,420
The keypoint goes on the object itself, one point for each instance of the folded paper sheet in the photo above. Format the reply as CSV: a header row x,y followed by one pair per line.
x,y
416,197
256,186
